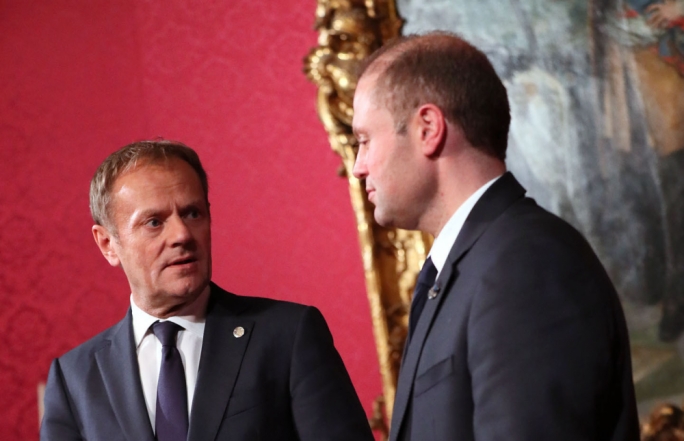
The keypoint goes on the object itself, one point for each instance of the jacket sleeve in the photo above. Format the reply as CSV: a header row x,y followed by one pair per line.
x,y
548,350
324,403
58,422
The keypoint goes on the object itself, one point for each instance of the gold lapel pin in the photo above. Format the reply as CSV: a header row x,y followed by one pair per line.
x,y
238,332
433,291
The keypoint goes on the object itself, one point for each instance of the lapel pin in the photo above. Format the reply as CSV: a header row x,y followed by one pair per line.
x,y
238,332
433,291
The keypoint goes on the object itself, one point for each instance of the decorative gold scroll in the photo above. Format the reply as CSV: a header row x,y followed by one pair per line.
x,y
666,423
350,30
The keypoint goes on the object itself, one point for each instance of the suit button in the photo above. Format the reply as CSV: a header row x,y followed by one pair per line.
x,y
238,332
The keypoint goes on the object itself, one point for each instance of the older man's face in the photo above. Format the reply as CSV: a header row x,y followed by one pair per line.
x,y
164,234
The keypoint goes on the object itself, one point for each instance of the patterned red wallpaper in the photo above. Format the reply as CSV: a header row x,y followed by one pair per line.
x,y
80,79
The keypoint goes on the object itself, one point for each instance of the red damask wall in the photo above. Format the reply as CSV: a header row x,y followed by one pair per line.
x,y
78,79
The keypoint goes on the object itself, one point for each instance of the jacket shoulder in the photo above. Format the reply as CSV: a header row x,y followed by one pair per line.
x,y
264,310
253,304
87,349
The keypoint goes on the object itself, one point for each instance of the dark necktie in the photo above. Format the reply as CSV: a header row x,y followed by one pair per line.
x,y
426,279
171,422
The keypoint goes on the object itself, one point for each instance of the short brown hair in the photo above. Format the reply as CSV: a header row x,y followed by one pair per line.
x,y
128,158
443,69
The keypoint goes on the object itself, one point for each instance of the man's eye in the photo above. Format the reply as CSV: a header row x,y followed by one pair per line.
x,y
153,223
193,214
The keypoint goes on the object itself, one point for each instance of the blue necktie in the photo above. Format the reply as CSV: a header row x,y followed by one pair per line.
x,y
171,422
426,278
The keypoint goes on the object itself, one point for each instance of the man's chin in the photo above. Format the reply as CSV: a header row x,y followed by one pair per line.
x,y
383,219
187,290
386,220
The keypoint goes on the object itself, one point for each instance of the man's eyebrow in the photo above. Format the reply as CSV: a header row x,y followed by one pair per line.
x,y
197,204
147,212
194,203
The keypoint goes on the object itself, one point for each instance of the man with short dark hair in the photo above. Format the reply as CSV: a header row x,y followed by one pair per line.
x,y
190,361
515,331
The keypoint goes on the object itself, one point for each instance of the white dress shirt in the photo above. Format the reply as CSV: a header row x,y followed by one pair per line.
x,y
447,237
149,350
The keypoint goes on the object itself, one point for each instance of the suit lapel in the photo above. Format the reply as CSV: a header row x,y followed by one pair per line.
x,y
222,354
118,365
493,202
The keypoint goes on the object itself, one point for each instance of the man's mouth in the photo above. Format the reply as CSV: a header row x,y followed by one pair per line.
x,y
183,261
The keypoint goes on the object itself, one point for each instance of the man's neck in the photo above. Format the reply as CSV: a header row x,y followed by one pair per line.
x,y
195,307
458,182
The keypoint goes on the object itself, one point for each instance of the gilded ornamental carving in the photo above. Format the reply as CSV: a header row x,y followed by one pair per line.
x,y
349,31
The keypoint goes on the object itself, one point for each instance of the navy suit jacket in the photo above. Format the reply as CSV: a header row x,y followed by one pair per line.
x,y
282,380
525,340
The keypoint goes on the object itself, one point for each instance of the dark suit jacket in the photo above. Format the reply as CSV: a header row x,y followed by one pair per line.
x,y
525,340
282,380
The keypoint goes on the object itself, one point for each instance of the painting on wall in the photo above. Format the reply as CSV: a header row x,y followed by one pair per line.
x,y
597,97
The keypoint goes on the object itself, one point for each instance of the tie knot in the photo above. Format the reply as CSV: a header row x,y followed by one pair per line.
x,y
166,332
428,273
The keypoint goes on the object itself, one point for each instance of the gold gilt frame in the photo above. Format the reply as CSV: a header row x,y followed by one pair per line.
x,y
349,30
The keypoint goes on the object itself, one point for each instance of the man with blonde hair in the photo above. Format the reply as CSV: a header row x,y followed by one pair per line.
x,y
190,361
516,332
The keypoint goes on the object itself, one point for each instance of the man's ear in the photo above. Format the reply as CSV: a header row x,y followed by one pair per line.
x,y
105,241
432,128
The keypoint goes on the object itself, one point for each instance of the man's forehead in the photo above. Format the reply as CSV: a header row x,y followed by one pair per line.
x,y
150,166
369,80
167,176
369,96
151,187
367,91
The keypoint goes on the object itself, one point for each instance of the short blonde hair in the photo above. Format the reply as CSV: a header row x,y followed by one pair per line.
x,y
128,158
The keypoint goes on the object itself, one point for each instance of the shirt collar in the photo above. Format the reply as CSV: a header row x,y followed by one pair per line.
x,y
193,322
446,238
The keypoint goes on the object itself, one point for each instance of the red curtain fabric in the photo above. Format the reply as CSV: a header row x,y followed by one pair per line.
x,y
79,80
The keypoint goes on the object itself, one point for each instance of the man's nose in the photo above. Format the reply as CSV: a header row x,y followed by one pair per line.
x,y
179,232
360,171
